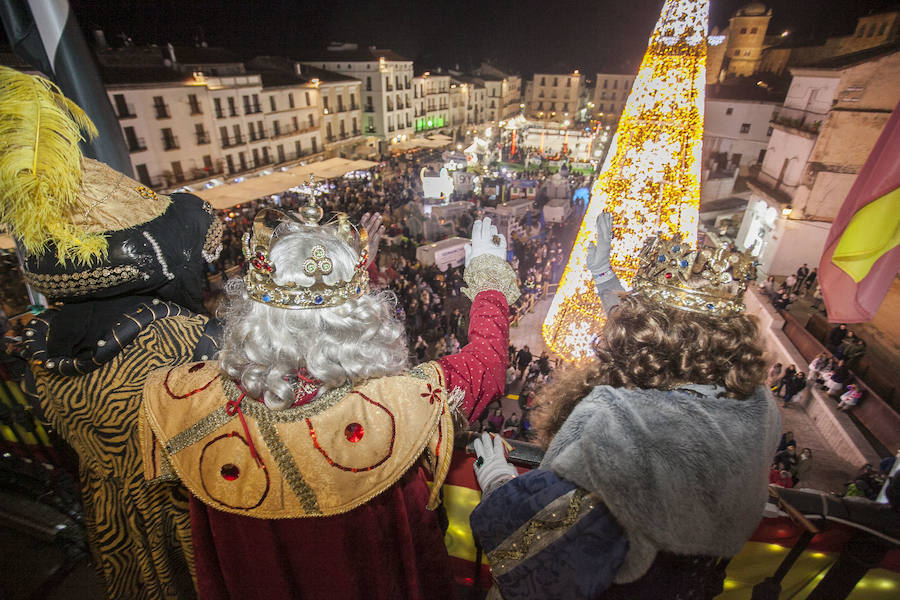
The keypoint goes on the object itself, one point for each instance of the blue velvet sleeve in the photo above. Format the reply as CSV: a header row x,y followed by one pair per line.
x,y
546,538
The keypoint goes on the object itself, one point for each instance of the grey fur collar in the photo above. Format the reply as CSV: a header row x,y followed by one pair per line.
x,y
682,471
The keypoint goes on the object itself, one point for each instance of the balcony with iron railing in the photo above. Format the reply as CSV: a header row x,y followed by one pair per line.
x,y
170,142
232,141
795,120
162,111
195,108
125,111
389,87
370,130
203,138
136,145
220,114
369,108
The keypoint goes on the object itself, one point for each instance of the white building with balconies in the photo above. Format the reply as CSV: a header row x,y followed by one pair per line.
x,y
555,97
832,116
182,128
386,94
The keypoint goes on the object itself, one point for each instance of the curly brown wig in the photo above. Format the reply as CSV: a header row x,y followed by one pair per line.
x,y
650,346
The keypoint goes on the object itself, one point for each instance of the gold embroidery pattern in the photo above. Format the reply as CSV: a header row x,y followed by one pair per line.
x,y
212,245
288,467
541,531
488,272
83,282
198,430
260,412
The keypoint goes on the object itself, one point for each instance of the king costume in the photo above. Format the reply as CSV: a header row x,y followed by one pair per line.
x,y
642,493
333,497
123,269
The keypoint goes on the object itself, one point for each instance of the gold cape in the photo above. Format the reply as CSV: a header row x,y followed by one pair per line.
x,y
323,458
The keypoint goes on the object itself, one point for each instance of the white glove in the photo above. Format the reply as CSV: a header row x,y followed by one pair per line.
x,y
491,468
598,252
485,240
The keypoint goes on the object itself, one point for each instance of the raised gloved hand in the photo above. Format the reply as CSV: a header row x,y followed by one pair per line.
x,y
372,222
485,240
598,252
491,467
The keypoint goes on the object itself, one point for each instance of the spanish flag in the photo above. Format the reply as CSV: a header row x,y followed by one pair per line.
x,y
862,251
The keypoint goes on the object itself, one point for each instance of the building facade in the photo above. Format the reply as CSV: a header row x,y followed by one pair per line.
x,y
435,102
831,118
342,115
555,96
610,94
737,131
199,127
386,94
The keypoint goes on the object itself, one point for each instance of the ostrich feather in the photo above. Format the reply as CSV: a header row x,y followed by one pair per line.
x,y
40,167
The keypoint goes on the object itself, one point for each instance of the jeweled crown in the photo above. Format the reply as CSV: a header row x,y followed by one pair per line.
x,y
259,281
708,280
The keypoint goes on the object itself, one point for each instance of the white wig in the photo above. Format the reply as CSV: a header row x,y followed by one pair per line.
x,y
264,346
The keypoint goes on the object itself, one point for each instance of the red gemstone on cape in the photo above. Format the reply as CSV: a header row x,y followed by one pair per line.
x,y
230,472
354,432
668,276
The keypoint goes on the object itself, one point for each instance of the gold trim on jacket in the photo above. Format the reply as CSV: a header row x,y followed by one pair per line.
x,y
323,458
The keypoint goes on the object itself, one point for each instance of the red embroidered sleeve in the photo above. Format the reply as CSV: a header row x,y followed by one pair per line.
x,y
479,369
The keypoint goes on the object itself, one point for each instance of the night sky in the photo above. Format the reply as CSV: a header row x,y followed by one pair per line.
x,y
524,36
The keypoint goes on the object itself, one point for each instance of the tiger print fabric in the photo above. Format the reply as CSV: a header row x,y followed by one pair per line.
x,y
139,533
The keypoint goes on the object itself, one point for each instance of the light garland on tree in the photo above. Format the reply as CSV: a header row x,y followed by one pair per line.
x,y
650,181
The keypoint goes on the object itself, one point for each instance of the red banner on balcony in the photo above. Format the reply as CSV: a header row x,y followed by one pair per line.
x,y
862,255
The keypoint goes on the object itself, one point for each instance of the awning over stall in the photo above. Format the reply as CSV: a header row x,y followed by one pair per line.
x,y
435,141
253,187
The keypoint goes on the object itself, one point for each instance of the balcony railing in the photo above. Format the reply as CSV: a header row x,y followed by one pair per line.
x,y
202,138
802,120
170,143
370,109
126,111
230,142
136,145
370,130
195,109
354,106
220,114
389,87
162,111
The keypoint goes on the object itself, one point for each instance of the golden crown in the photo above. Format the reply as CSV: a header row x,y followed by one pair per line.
x,y
262,288
708,280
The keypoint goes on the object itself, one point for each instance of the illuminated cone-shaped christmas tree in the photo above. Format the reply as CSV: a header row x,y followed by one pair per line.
x,y
650,181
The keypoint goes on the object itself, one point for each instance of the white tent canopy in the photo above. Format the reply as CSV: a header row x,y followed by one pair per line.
x,y
435,141
226,196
